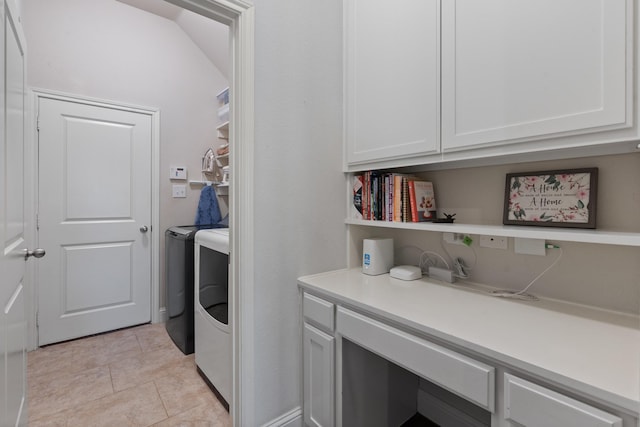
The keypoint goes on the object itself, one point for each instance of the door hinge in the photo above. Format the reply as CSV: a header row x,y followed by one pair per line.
x,y
37,319
37,221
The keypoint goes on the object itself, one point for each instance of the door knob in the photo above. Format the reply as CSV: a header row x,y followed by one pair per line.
x,y
144,229
36,253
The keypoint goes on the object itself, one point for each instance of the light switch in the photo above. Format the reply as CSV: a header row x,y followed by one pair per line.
x,y
177,172
179,191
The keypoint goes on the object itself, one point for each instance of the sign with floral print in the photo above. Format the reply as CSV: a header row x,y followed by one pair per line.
x,y
565,198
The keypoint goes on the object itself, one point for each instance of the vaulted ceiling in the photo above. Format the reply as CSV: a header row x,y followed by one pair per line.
x,y
210,36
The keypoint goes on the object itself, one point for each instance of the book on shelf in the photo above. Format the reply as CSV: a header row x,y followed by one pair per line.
x,y
422,201
356,205
404,200
385,196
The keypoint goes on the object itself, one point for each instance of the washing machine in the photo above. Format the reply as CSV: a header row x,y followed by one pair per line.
x,y
179,275
213,311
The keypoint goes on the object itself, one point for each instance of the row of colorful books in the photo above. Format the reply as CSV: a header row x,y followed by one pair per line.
x,y
385,196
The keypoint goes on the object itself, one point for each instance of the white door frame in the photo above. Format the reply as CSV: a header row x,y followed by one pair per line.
x,y
154,113
239,16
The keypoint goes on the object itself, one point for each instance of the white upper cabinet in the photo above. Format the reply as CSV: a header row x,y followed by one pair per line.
x,y
392,85
533,70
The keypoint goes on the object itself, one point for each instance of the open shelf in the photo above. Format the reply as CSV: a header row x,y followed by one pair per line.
x,y
223,130
547,233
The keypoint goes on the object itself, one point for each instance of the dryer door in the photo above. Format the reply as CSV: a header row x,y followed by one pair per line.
x,y
214,284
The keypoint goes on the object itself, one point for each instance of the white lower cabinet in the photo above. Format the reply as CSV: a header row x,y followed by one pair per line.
x,y
319,399
318,362
531,405
348,387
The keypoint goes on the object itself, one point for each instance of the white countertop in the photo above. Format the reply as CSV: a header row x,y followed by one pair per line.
x,y
592,351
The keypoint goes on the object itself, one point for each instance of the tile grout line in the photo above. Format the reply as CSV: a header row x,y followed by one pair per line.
x,y
161,401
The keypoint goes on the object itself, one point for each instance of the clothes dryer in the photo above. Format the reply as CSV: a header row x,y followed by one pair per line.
x,y
213,311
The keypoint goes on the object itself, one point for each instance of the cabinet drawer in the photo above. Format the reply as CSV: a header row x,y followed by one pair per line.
x,y
468,378
532,405
318,311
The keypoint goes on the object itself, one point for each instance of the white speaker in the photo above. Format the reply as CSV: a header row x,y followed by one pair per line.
x,y
377,256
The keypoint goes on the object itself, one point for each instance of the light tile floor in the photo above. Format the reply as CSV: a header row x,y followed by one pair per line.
x,y
130,377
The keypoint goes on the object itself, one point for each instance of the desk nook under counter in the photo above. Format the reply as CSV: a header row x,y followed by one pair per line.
x,y
379,351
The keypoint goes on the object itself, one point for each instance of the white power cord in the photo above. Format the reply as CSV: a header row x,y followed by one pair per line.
x,y
522,293
460,268
425,261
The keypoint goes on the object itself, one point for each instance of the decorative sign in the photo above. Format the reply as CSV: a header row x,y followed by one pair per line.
x,y
552,198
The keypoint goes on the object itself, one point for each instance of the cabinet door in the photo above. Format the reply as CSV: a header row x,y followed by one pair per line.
x,y
319,383
516,71
391,79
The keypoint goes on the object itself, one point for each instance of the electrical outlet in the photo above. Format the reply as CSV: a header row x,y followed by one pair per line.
x,y
454,238
529,246
494,242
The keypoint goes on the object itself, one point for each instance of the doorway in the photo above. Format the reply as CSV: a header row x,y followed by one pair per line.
x,y
127,67
239,16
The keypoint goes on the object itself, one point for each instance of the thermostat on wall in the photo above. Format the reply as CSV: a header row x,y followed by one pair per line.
x,y
177,172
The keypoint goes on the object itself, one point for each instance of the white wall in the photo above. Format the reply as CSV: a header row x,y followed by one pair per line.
x,y
109,50
300,200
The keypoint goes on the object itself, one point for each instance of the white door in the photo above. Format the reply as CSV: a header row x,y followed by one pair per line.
x,y
13,324
94,218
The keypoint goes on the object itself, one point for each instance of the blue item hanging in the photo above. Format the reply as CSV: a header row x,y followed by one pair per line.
x,y
208,210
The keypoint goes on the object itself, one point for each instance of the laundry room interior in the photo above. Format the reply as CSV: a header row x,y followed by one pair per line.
x,y
158,57
177,63
292,213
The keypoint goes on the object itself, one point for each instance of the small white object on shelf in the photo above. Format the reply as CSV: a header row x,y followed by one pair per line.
x,y
223,130
223,113
223,96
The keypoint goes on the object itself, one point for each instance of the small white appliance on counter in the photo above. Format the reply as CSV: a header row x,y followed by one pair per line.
x,y
213,310
377,256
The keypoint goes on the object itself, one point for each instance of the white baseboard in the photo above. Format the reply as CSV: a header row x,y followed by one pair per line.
x,y
293,418
442,413
161,316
